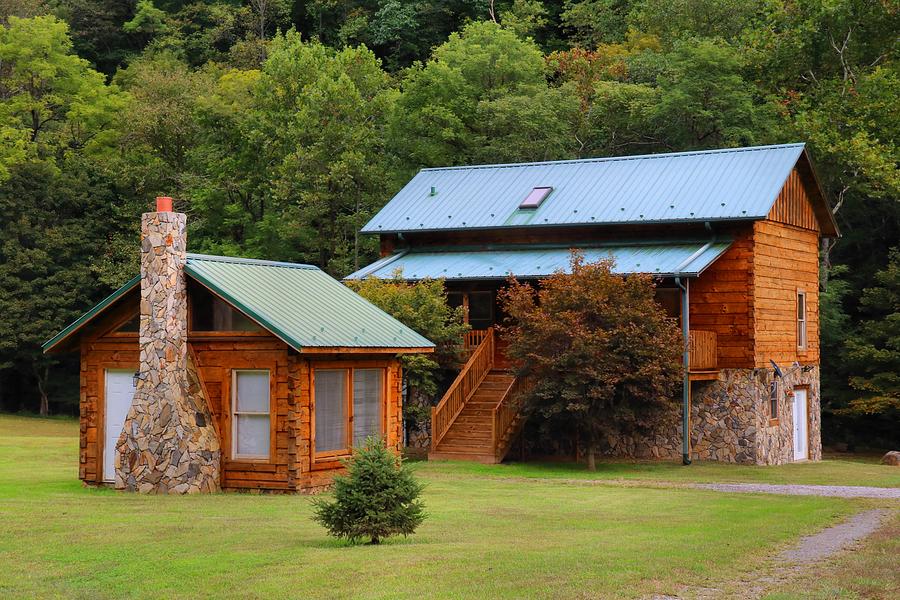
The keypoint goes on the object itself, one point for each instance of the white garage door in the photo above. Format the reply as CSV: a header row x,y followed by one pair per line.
x,y
118,394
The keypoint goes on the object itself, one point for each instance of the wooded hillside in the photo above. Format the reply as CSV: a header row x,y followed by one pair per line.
x,y
281,126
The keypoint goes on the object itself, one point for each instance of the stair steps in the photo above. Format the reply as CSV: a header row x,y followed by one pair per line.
x,y
470,436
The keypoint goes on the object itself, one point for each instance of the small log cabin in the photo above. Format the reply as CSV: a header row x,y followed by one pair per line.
x,y
732,236
208,372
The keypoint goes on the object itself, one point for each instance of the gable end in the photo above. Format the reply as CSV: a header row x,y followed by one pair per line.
x,y
793,205
802,201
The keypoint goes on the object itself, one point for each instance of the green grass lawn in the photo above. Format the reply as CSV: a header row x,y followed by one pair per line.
x,y
834,471
485,536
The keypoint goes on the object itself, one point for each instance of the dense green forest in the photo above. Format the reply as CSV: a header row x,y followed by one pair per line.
x,y
281,126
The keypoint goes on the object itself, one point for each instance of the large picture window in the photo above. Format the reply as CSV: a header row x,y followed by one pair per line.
x,y
251,412
367,389
331,410
348,405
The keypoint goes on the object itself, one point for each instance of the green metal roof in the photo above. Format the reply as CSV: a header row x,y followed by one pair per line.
x,y
301,304
662,258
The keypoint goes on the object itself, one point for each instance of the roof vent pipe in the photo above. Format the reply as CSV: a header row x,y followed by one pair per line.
x,y
163,204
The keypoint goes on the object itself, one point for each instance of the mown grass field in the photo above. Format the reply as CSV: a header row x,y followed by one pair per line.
x,y
846,470
486,536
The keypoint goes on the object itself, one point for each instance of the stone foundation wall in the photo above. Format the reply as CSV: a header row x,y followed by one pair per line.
x,y
169,442
730,421
418,431
775,442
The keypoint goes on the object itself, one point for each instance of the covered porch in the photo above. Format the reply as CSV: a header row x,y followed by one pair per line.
x,y
477,418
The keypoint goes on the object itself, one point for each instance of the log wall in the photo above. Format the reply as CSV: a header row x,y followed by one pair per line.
x,y
291,466
721,301
216,360
786,259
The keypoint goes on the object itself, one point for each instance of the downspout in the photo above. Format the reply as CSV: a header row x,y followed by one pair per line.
x,y
686,349
686,364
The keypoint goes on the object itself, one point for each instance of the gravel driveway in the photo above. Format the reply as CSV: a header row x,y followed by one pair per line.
x,y
834,491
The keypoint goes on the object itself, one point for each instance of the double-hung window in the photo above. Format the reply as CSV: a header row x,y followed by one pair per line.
x,y
251,431
801,320
348,405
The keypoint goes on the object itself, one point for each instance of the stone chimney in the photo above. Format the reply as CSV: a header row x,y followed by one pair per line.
x,y
169,444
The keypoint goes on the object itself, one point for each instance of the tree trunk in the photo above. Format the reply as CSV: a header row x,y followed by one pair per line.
x,y
41,376
592,456
375,541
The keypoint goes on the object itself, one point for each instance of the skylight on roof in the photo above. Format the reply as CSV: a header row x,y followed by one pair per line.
x,y
535,197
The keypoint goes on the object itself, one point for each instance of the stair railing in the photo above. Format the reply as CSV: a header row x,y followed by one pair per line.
x,y
506,416
470,377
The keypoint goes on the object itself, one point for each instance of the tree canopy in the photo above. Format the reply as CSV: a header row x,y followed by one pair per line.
x,y
281,126
556,332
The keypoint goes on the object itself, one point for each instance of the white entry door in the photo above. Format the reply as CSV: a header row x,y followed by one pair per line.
x,y
118,394
801,421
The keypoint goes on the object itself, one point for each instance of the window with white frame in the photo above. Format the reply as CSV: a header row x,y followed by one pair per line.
x,y
348,405
801,319
251,414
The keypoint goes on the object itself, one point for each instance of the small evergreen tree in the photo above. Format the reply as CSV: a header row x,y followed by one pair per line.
x,y
377,498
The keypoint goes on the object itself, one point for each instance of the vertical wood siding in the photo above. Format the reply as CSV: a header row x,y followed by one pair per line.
x,y
793,206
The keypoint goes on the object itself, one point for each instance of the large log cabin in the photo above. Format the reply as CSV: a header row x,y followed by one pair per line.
x,y
732,236
209,372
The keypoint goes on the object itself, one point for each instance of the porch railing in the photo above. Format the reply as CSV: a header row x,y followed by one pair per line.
x,y
507,416
473,338
704,351
462,388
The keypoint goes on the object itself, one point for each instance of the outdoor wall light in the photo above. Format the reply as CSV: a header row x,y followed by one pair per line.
x,y
775,366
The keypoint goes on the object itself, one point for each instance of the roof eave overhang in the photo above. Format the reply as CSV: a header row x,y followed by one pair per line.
x,y
55,344
698,222
260,319
366,350
829,223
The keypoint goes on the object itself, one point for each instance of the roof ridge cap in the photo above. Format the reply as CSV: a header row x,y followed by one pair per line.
x,y
615,158
250,261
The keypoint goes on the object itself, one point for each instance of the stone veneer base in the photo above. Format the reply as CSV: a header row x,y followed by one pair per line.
x,y
730,421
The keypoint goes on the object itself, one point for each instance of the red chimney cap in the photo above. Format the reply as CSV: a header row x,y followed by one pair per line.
x,y
163,204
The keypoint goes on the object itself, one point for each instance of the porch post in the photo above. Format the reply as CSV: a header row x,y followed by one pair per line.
x,y
686,364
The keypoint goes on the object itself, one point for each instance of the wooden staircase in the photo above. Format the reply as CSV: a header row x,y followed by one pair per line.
x,y
478,417
469,437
